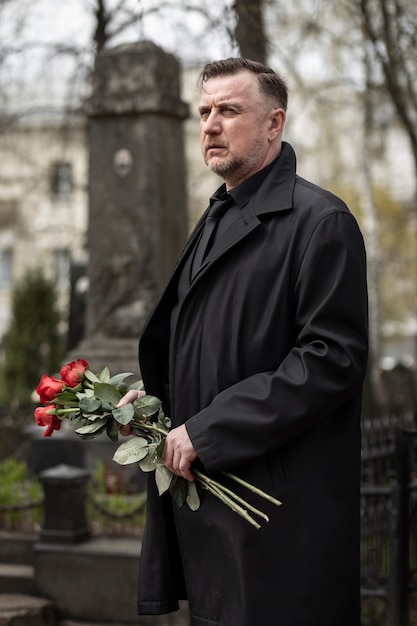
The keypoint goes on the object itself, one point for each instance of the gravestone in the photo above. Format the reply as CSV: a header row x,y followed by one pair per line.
x,y
137,197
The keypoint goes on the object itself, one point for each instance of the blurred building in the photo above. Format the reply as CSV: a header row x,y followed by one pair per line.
x,y
43,199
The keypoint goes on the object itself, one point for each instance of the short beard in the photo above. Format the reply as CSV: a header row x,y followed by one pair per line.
x,y
226,169
236,169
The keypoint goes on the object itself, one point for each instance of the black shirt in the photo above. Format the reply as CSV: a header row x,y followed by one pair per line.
x,y
241,195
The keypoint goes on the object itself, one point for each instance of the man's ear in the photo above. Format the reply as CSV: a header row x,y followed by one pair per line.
x,y
276,123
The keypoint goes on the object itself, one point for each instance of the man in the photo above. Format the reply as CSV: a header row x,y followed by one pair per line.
x,y
259,353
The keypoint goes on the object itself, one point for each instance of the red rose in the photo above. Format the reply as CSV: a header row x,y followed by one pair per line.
x,y
48,388
44,418
72,373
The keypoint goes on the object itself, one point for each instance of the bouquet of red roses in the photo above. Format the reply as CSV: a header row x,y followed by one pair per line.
x,y
89,402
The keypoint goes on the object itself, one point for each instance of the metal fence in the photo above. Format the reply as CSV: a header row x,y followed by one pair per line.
x,y
388,520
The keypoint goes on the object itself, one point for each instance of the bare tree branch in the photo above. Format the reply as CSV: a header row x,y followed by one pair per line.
x,y
383,25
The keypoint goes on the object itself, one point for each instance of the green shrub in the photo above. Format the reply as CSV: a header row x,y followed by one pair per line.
x,y
20,497
32,344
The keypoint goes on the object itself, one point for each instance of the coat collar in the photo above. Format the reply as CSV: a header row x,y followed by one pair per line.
x,y
276,192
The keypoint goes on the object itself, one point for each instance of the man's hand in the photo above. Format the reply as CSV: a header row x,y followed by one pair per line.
x,y
179,453
128,398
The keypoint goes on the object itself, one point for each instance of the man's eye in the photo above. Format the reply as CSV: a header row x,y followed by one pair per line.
x,y
204,113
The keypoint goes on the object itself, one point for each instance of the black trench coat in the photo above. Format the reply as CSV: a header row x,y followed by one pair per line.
x,y
266,367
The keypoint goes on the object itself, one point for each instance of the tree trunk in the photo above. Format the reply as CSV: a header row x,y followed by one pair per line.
x,y
249,32
102,19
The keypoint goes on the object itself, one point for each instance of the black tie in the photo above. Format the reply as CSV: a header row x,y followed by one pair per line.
x,y
218,208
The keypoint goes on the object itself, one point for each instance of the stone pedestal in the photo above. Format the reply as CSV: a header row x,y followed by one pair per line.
x,y
95,582
137,189
65,519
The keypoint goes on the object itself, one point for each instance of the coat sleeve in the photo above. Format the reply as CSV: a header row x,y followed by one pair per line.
x,y
322,372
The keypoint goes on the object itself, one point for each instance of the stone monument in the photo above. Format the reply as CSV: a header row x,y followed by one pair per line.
x,y
137,196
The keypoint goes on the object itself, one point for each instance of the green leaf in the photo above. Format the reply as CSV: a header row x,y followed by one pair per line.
x,y
131,451
178,491
75,418
193,499
106,406
124,414
89,405
119,378
160,447
163,478
137,386
163,420
93,417
104,375
66,398
142,432
147,405
112,430
147,464
86,393
107,393
92,429
91,376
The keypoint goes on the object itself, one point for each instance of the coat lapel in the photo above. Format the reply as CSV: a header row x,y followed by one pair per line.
x,y
240,229
274,195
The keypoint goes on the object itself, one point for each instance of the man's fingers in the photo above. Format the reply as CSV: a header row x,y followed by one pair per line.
x,y
130,397
184,470
178,464
178,453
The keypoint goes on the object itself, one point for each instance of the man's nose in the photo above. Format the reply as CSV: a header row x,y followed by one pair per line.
x,y
211,125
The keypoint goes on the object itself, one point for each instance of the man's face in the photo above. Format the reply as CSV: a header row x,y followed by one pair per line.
x,y
238,130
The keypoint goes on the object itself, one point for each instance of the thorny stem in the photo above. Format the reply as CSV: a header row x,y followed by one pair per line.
x,y
231,494
59,412
254,489
150,427
217,490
